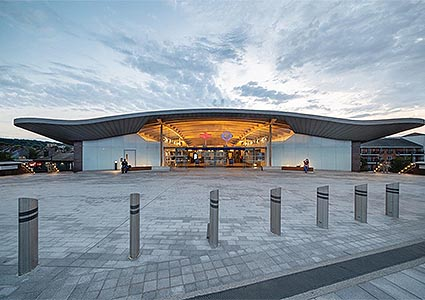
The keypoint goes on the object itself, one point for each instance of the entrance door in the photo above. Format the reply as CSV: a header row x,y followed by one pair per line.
x,y
130,156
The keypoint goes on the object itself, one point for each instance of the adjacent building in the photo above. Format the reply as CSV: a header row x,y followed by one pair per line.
x,y
386,149
216,138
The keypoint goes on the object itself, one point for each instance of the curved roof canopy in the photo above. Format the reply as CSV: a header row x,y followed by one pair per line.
x,y
187,124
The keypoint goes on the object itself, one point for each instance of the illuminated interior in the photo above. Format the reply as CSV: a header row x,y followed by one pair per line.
x,y
215,142
188,133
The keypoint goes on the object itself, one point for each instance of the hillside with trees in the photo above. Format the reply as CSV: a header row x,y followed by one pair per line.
x,y
16,149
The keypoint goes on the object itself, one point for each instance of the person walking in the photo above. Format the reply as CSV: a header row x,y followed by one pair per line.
x,y
385,167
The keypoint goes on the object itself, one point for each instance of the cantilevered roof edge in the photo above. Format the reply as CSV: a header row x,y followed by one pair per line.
x,y
328,127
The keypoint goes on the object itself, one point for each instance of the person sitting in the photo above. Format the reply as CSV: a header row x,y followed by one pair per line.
x,y
306,165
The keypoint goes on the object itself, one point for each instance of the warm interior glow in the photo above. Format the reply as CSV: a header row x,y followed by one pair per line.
x,y
188,132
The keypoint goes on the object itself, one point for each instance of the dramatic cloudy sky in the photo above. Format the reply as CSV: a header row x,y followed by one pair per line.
x,y
73,60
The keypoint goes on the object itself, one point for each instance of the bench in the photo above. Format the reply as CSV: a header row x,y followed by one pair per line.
x,y
141,168
291,168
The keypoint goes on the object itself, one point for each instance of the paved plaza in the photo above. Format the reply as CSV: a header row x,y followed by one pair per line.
x,y
84,231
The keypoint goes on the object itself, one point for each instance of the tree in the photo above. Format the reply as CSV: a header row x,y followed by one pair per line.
x,y
398,163
32,153
5,156
363,165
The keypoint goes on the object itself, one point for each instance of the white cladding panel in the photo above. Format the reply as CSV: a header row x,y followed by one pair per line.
x,y
101,154
324,154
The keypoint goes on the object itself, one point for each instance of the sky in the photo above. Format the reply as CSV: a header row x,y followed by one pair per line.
x,y
360,60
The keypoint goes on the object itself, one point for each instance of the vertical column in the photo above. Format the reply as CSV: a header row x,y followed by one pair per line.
x,y
360,203
27,235
212,228
134,226
392,200
270,145
355,156
322,214
78,156
161,146
275,210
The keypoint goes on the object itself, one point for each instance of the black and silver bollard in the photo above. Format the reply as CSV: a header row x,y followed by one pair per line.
x,y
322,214
360,203
27,235
392,200
212,227
134,226
275,210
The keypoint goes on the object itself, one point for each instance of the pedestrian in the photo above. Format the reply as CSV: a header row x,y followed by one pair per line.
x,y
124,166
306,165
385,167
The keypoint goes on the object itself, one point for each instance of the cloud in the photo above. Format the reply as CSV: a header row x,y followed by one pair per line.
x,y
65,86
252,89
186,71
36,18
345,36
316,107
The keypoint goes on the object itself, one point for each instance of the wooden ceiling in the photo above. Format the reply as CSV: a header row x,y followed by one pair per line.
x,y
186,132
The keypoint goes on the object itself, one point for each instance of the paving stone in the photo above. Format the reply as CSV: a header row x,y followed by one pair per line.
x,y
354,293
91,295
6,291
201,285
114,274
199,276
222,272
375,291
110,283
331,296
100,276
176,281
124,281
149,295
121,291
135,289
163,266
179,289
150,286
188,278
414,273
163,274
64,292
95,286
406,282
175,272
163,283
78,291
190,287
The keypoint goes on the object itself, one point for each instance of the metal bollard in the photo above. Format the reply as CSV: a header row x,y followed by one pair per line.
x,y
275,210
27,235
212,227
134,226
322,214
360,203
392,200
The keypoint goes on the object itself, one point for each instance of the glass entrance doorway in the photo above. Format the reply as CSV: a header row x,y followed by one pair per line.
x,y
241,157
